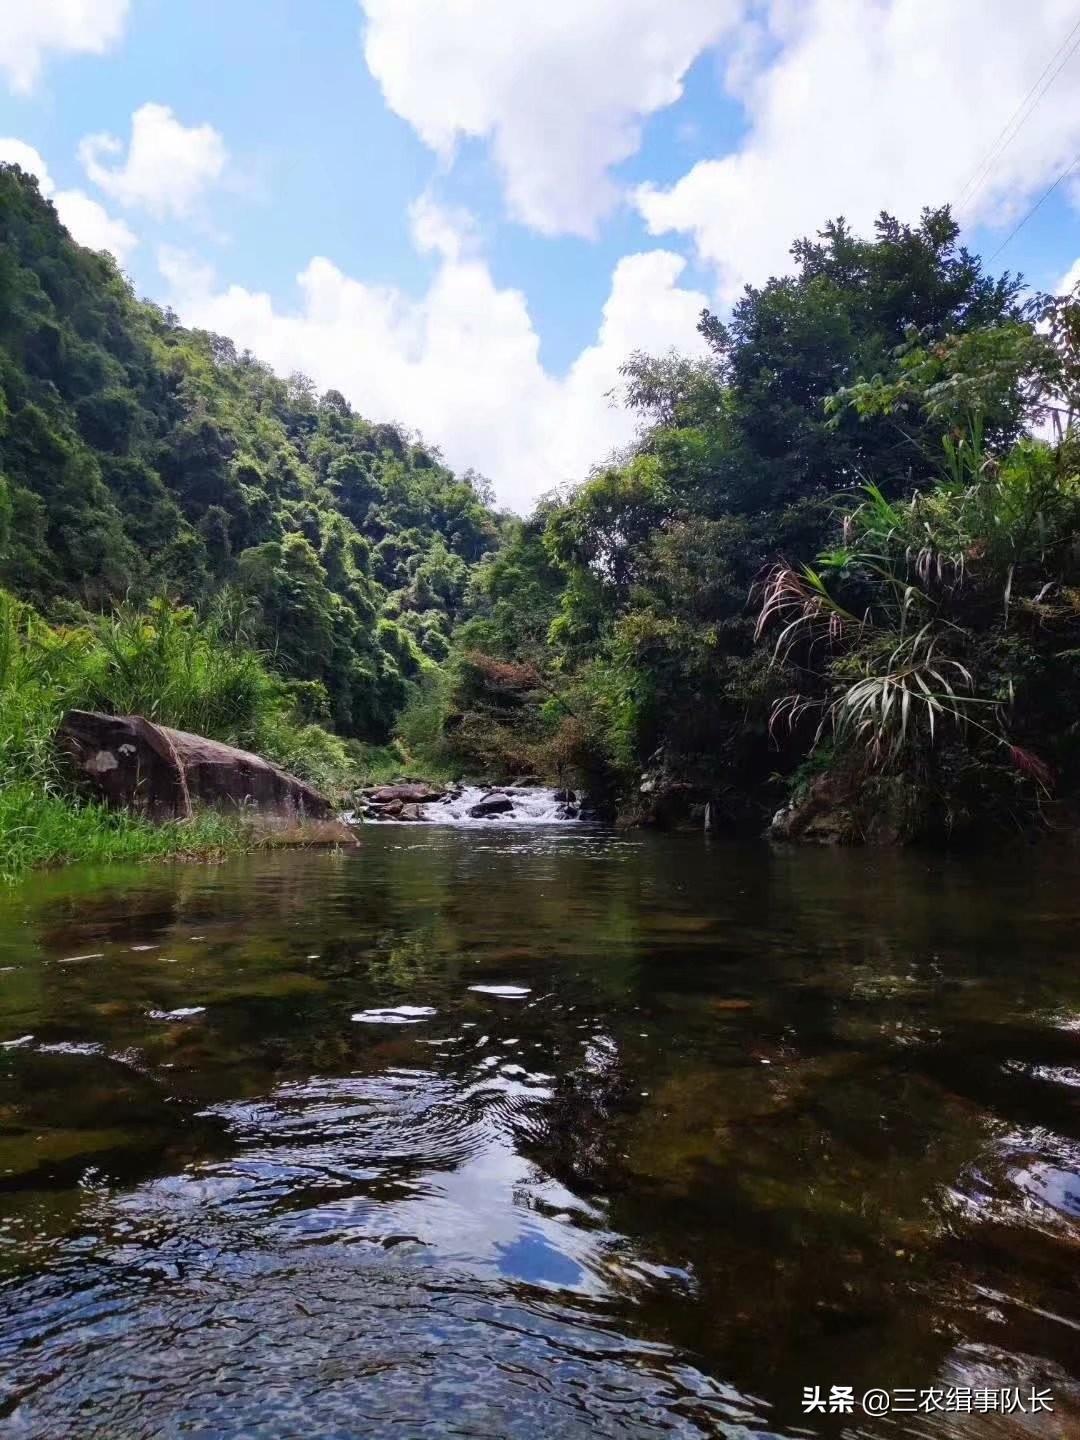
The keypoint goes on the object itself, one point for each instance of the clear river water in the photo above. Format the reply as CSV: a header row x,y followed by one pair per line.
x,y
538,1132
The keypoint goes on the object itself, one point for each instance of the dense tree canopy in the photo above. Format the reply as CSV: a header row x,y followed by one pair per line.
x,y
868,365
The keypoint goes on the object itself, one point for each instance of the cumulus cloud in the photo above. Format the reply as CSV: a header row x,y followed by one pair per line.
x,y
461,363
561,89
30,29
449,231
168,165
1070,280
184,273
90,224
855,107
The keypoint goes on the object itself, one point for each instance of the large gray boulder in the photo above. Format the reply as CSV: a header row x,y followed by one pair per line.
x,y
133,764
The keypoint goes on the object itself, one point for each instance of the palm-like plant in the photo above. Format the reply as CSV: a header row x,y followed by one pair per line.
x,y
933,582
886,706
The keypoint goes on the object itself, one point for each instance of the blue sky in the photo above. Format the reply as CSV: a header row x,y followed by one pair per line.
x,y
464,213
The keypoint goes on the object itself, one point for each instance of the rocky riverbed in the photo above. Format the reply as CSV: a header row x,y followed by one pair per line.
x,y
520,804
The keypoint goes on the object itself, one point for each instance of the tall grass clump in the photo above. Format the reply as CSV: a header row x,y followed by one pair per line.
x,y
181,670
37,669
203,674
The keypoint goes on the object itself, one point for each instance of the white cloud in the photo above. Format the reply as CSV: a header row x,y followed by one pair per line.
x,y
1070,280
864,107
90,224
462,362
185,274
29,29
17,152
168,164
449,231
560,88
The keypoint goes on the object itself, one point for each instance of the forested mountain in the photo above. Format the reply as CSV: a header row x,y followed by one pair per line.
x,y
139,458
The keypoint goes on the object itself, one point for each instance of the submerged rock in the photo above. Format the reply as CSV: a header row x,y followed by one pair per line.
x,y
133,764
304,834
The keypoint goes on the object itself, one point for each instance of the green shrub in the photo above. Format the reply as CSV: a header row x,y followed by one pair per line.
x,y
947,623
421,724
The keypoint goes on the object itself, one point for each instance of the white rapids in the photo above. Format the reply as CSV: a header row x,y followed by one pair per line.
x,y
533,805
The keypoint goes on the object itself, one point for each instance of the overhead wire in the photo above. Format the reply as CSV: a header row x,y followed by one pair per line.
x,y
1020,115
1044,196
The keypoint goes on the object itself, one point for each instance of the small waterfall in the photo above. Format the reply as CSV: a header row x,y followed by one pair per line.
x,y
528,805
532,806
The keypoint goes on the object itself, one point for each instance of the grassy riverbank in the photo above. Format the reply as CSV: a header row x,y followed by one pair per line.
x,y
164,663
39,829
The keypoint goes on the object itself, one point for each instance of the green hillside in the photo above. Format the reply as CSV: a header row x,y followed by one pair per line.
x,y
139,458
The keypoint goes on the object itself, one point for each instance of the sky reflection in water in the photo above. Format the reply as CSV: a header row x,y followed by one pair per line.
x,y
670,1131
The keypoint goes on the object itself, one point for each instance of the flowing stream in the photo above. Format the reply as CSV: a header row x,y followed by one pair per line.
x,y
536,1130
531,806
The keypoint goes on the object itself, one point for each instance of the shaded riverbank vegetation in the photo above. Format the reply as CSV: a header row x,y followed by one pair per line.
x,y
835,569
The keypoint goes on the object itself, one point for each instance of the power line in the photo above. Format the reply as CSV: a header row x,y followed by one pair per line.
x,y
1044,196
1023,111
1021,115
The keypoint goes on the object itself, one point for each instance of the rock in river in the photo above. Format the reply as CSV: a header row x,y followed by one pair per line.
x,y
410,794
491,805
